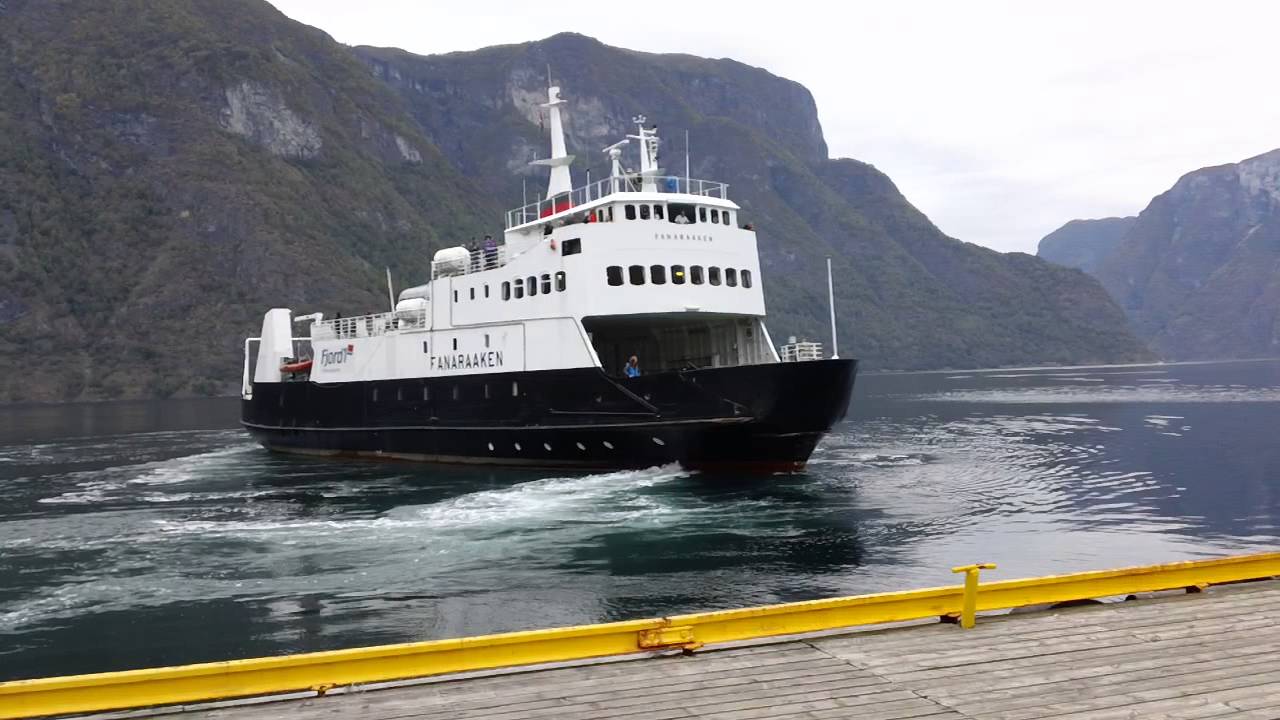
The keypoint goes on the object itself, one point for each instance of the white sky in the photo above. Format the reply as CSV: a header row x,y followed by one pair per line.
x,y
1000,120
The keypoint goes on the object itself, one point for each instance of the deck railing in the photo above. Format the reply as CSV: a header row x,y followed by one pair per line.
x,y
603,188
479,259
362,326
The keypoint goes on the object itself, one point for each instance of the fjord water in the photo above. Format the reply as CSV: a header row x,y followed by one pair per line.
x,y
142,534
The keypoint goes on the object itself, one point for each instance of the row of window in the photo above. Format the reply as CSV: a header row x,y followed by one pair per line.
x,y
533,285
696,275
678,213
521,286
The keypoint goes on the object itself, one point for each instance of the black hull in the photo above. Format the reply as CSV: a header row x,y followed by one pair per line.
x,y
753,418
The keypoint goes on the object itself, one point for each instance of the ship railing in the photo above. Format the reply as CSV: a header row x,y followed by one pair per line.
x,y
478,260
363,326
609,186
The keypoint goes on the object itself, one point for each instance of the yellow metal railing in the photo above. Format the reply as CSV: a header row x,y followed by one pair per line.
x,y
322,671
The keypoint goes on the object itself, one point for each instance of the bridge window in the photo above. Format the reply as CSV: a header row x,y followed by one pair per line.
x,y
473,293
680,213
631,212
713,275
519,288
658,274
546,283
532,285
695,274
728,219
637,274
702,214
677,275
560,281
644,212
486,289
715,216
614,274
506,291
731,277
572,246
657,212
746,278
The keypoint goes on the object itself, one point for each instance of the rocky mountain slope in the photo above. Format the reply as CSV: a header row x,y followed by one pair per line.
x,y
908,296
1199,271
171,169
1084,244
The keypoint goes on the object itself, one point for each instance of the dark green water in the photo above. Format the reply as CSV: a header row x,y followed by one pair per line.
x,y
141,534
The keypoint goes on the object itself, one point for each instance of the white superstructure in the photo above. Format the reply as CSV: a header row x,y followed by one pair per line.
x,y
639,263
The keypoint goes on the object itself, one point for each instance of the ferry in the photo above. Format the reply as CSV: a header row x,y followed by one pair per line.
x,y
618,324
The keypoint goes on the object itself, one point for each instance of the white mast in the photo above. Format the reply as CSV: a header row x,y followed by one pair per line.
x,y
561,181
648,155
616,172
831,299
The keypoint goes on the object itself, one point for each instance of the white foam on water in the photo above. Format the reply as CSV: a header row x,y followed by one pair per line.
x,y
173,471
599,498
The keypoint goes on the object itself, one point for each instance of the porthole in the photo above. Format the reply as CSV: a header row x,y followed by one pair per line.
x,y
581,447
506,290
490,447
746,278
515,389
532,285
658,274
677,275
546,283
613,274
560,281
456,392
473,293
426,393
696,274
636,273
731,277
518,448
607,444
547,446
658,441
713,275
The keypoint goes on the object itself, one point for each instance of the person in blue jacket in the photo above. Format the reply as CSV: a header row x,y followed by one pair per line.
x,y
633,367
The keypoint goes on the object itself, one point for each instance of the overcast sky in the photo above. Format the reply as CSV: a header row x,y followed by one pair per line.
x,y
1000,120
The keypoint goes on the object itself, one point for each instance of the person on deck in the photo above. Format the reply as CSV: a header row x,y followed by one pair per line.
x,y
633,367
490,253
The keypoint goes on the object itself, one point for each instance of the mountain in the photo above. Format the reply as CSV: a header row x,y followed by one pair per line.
x,y
1199,271
1084,244
170,169
907,296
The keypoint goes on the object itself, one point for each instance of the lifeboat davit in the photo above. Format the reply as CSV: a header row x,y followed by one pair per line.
x,y
297,367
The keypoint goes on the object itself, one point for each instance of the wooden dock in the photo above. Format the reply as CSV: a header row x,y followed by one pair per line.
x,y
1199,655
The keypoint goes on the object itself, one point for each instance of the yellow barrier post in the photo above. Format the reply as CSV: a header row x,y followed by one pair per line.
x,y
969,610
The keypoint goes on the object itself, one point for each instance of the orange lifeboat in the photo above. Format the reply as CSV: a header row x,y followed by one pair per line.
x,y
300,366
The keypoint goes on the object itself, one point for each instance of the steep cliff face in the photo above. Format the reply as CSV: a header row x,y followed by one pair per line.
x,y
1084,244
908,297
1199,271
171,169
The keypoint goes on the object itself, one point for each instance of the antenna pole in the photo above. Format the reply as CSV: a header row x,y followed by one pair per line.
x,y
831,299
391,293
686,161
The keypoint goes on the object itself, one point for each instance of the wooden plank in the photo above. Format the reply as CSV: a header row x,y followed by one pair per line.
x,y
1160,700
976,668
895,710
1109,686
997,684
